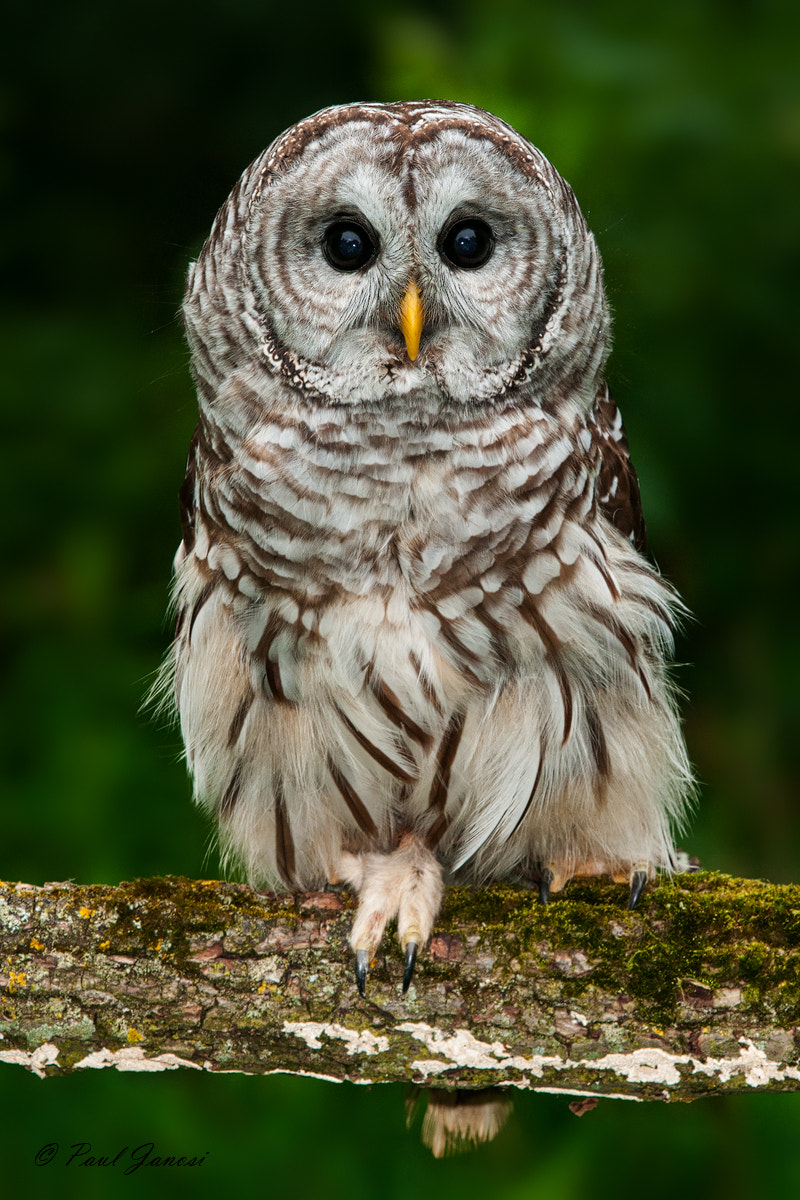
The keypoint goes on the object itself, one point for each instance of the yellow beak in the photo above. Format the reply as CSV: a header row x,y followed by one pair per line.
x,y
410,319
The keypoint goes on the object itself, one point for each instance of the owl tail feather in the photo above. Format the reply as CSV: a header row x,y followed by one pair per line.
x,y
459,1120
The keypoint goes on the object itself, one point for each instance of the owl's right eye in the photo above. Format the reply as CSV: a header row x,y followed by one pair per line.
x,y
347,245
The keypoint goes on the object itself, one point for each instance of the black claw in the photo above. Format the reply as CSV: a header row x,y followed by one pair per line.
x,y
638,880
545,880
362,963
408,967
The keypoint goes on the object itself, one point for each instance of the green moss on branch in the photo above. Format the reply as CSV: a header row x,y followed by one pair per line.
x,y
696,992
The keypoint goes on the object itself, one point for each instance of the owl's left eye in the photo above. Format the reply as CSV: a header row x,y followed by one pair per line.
x,y
467,244
347,245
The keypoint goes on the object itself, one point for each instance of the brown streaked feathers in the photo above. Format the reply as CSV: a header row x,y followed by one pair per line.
x,y
418,638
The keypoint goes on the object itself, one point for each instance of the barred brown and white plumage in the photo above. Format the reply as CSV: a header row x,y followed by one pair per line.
x,y
417,636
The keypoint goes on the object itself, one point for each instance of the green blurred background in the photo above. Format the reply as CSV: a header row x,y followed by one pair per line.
x,y
679,128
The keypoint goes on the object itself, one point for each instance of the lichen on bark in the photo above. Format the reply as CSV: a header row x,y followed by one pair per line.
x,y
695,992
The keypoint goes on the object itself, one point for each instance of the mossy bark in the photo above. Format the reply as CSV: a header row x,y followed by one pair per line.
x,y
696,992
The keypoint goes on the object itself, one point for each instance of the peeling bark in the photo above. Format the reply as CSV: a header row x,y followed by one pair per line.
x,y
695,993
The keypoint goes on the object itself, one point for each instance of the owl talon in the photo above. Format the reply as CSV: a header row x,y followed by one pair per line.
x,y
362,964
407,883
545,884
638,880
408,965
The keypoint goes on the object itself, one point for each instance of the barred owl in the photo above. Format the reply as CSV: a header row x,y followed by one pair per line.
x,y
418,639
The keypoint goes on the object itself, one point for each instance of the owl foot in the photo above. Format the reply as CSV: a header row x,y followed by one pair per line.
x,y
553,876
406,884
638,880
408,964
546,876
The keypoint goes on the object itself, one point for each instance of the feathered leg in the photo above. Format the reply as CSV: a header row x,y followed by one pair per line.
x,y
407,884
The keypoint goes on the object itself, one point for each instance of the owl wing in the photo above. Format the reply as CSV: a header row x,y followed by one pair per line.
x,y
617,484
186,496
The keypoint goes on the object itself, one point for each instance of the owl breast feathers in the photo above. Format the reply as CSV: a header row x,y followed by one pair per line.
x,y
417,636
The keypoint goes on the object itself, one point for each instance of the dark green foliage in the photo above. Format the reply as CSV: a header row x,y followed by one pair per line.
x,y
126,125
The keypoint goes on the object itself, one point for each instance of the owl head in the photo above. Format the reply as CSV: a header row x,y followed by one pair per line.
x,y
383,250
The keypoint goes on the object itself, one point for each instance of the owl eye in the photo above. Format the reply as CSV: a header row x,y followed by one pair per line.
x,y
347,245
467,244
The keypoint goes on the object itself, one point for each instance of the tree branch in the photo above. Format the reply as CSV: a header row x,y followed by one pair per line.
x,y
697,992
